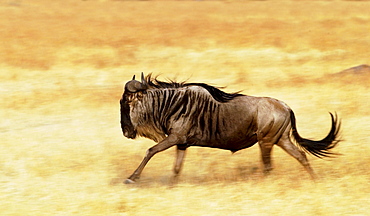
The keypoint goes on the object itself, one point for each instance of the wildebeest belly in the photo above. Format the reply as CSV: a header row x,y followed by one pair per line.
x,y
232,143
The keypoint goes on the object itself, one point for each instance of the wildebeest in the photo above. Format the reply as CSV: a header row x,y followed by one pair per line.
x,y
198,114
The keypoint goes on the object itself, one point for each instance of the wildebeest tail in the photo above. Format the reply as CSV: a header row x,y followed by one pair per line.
x,y
322,147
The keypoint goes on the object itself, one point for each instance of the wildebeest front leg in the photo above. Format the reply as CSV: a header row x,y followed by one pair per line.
x,y
168,142
179,162
180,155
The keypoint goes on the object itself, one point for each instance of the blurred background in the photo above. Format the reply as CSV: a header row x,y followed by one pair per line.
x,y
63,65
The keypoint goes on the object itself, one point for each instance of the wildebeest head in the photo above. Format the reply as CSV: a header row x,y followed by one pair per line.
x,y
132,88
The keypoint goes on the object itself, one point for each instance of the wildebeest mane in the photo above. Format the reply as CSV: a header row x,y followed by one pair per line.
x,y
215,92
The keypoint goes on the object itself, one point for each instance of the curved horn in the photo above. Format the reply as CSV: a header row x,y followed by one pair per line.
x,y
143,81
135,86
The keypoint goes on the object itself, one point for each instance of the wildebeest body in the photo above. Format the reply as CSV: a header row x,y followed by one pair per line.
x,y
231,126
196,114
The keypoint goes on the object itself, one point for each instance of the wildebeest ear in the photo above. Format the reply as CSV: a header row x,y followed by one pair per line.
x,y
133,78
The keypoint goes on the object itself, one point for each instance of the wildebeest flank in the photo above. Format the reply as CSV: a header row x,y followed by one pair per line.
x,y
197,114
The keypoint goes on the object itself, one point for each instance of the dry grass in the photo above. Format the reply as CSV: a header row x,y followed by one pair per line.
x,y
63,64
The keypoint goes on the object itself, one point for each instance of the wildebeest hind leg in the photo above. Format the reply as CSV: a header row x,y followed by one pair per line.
x,y
266,148
286,144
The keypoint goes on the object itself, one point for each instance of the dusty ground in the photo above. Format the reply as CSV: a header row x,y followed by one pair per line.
x,y
63,65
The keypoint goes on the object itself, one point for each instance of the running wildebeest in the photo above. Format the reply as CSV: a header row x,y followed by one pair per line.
x,y
197,114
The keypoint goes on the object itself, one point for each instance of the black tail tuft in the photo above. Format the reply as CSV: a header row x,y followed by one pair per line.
x,y
322,147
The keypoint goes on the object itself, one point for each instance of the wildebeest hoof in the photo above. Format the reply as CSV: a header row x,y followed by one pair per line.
x,y
129,181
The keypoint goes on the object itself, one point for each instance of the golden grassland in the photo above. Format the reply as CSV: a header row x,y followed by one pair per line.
x,y
63,65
